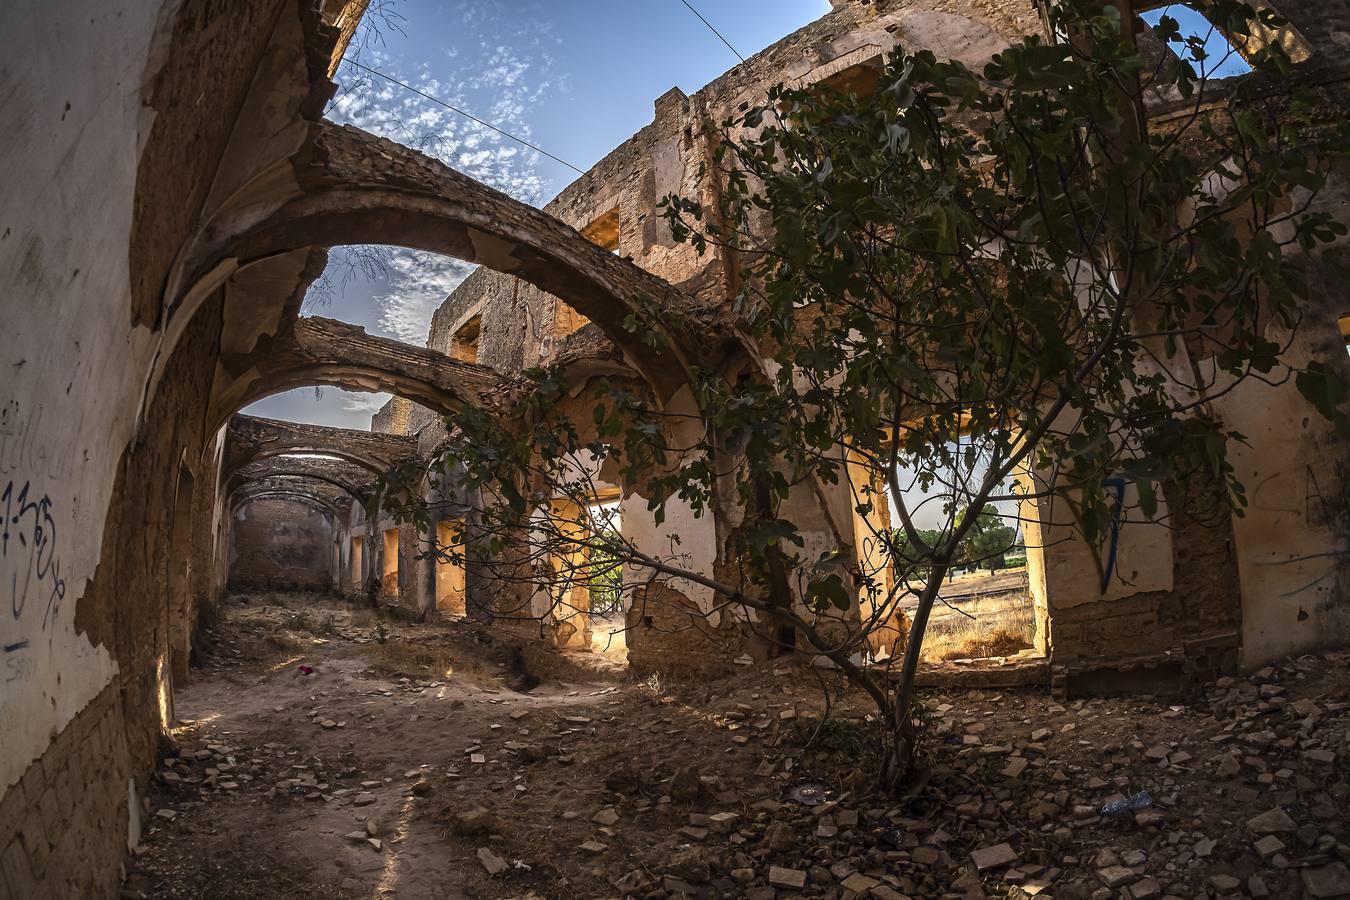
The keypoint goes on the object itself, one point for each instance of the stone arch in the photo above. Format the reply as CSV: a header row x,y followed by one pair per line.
x,y
250,439
350,187
243,499
370,463
316,351
350,490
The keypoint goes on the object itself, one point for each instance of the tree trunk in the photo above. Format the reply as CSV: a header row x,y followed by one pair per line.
x,y
898,765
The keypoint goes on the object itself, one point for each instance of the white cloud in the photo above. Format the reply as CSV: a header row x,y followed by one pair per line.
x,y
362,404
501,71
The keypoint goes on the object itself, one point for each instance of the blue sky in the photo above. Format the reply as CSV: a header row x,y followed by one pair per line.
x,y
575,77
1221,60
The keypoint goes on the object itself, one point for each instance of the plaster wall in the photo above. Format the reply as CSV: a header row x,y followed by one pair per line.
x,y
73,361
1293,539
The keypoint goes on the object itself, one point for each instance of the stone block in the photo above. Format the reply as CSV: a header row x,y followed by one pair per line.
x,y
16,871
53,817
35,843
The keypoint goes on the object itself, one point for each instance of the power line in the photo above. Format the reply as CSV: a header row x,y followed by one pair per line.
x,y
714,30
471,116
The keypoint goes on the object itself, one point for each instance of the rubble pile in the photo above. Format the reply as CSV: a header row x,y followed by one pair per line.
x,y
739,789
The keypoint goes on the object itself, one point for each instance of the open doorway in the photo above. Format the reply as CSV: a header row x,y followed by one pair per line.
x,y
356,578
451,583
604,582
988,606
389,584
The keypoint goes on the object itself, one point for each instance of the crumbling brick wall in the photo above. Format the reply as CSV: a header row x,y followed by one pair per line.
x,y
62,827
282,544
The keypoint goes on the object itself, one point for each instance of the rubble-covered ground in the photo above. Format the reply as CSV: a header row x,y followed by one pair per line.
x,y
321,753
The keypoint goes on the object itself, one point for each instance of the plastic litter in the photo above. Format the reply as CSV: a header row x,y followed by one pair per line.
x,y
306,670
809,794
1141,800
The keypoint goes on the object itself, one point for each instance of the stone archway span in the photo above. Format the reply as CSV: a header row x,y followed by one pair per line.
x,y
253,438
351,187
242,500
317,351
284,476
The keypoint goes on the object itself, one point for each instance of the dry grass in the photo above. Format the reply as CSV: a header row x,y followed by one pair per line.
x,y
995,633
410,658
285,641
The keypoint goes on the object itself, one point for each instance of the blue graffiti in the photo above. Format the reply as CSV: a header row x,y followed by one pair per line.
x,y
28,550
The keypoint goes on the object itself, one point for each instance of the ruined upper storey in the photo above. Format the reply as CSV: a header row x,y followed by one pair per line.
x,y
499,321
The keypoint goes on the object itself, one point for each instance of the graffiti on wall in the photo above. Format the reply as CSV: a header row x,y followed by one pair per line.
x,y
20,450
31,585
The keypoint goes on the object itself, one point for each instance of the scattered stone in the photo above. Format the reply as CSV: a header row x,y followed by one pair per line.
x,y
1267,846
1274,821
470,822
787,878
1116,876
1145,889
1331,880
926,855
686,785
993,857
491,862
859,884
779,837
723,822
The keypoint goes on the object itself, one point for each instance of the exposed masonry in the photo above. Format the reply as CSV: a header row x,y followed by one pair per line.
x,y
249,439
195,215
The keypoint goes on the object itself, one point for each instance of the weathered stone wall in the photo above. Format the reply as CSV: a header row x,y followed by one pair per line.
x,y
1198,578
112,155
279,543
63,826
392,418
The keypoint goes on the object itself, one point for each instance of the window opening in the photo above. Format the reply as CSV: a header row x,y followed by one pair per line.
x,y
464,343
604,233
1201,42
989,610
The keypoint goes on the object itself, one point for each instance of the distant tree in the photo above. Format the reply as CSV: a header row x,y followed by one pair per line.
x,y
987,540
910,552
605,574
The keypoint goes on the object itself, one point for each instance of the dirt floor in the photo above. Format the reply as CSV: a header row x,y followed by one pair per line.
x,y
323,754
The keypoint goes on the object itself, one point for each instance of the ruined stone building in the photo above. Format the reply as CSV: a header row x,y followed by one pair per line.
x,y
171,188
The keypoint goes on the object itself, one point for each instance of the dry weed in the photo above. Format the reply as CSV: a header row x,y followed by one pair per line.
x,y
284,640
1000,633
404,656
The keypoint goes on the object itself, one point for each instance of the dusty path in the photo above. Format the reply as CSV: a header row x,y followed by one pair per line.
x,y
412,769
